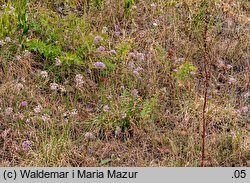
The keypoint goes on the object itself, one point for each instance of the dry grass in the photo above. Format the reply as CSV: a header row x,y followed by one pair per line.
x,y
161,125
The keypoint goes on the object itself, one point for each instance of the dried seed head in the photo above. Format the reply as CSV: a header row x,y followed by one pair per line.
x,y
89,136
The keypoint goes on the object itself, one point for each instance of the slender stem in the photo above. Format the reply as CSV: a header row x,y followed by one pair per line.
x,y
206,86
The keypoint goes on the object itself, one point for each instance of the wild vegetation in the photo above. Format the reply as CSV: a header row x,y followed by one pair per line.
x,y
124,83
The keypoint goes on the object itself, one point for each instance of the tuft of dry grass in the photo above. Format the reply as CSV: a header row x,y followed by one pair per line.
x,y
143,106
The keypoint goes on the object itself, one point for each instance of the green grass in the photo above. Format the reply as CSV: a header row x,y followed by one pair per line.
x,y
140,105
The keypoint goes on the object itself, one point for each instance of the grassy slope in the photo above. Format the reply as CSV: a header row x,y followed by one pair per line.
x,y
161,125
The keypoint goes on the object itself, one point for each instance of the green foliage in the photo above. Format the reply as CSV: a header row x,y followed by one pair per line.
x,y
128,4
98,3
148,107
22,11
110,67
184,70
70,58
67,32
46,50
8,21
123,49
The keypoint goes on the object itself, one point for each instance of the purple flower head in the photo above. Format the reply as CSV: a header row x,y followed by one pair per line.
x,y
238,111
101,48
232,80
100,65
117,27
98,38
24,103
26,145
7,39
2,42
131,65
58,62
112,51
229,66
221,63
244,109
131,55
118,33
135,92
192,73
138,69
106,108
140,56
109,97
8,111
135,72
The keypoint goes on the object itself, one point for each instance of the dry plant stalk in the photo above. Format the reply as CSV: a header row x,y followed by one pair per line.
x,y
206,83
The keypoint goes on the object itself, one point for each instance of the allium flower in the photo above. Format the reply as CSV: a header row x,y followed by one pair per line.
x,y
175,70
134,7
74,112
118,131
135,92
38,108
155,24
247,95
135,72
104,30
5,133
123,115
89,136
7,39
118,33
99,65
19,86
131,55
24,104
45,118
58,62
153,5
139,69
131,65
112,51
8,111
106,108
98,38
101,48
79,80
140,56
232,80
221,63
27,120
2,42
62,89
109,97
229,66
54,86
26,145
244,109
44,74
192,73
66,115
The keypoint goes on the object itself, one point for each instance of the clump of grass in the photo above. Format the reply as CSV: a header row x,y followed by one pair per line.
x,y
121,83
